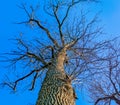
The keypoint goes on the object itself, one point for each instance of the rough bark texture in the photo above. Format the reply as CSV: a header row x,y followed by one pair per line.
x,y
56,88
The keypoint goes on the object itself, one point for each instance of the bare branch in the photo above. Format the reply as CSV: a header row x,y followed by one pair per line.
x,y
112,97
55,9
14,85
68,9
33,81
31,19
36,57
24,8
46,30
102,99
110,76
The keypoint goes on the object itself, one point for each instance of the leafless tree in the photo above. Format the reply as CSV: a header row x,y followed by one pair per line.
x,y
104,88
69,52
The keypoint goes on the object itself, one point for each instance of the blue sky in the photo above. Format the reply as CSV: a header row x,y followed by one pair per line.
x,y
9,12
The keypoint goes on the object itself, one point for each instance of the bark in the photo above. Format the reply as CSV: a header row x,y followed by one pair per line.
x,y
56,88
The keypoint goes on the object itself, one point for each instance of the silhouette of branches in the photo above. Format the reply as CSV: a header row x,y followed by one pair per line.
x,y
104,87
74,33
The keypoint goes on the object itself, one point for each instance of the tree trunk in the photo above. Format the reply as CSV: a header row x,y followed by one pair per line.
x,y
56,88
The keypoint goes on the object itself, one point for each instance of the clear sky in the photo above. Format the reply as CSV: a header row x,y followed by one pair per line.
x,y
9,12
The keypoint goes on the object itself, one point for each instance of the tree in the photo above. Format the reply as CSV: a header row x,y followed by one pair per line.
x,y
104,88
70,53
